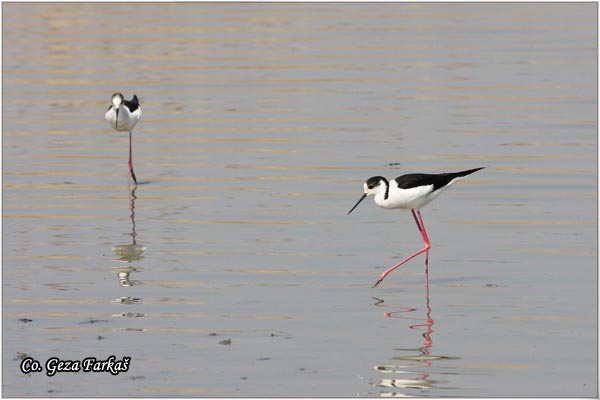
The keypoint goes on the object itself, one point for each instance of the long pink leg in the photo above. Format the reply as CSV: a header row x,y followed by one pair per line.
x,y
421,226
131,173
427,244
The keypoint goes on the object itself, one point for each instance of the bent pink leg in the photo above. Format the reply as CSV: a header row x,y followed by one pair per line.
x,y
421,226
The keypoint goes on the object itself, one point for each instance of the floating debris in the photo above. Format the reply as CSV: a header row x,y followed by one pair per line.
x,y
93,321
130,315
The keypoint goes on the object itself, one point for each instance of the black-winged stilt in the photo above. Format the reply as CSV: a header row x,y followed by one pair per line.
x,y
122,115
411,191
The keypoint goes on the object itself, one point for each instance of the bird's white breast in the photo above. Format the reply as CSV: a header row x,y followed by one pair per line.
x,y
111,117
413,198
127,120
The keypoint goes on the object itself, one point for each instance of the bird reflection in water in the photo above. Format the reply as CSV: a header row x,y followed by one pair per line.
x,y
415,372
129,253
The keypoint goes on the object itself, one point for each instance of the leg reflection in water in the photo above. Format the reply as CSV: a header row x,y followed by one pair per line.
x,y
417,363
129,253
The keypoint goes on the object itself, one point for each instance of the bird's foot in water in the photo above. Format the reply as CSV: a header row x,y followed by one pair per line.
x,y
377,283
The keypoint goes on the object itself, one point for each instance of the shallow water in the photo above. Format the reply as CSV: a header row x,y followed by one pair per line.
x,y
235,270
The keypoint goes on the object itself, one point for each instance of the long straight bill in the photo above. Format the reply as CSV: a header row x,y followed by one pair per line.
x,y
357,203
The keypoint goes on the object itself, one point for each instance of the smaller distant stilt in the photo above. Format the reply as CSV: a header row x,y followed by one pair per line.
x,y
123,115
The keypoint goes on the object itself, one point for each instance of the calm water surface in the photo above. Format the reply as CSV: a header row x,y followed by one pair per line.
x,y
235,271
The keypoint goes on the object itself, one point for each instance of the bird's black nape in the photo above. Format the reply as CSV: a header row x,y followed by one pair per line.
x,y
374,181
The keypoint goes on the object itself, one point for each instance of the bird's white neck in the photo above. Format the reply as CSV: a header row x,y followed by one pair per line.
x,y
380,200
382,196
116,101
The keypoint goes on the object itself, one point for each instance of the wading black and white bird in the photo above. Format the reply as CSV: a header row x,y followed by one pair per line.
x,y
123,115
411,191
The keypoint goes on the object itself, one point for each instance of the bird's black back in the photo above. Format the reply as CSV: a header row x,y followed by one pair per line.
x,y
409,181
132,104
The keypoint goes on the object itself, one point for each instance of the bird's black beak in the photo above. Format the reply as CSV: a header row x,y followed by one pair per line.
x,y
357,203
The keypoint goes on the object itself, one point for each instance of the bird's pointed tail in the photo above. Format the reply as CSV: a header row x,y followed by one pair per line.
x,y
467,172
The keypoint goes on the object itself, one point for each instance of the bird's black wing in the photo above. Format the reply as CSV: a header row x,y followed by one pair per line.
x,y
132,104
409,181
437,180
